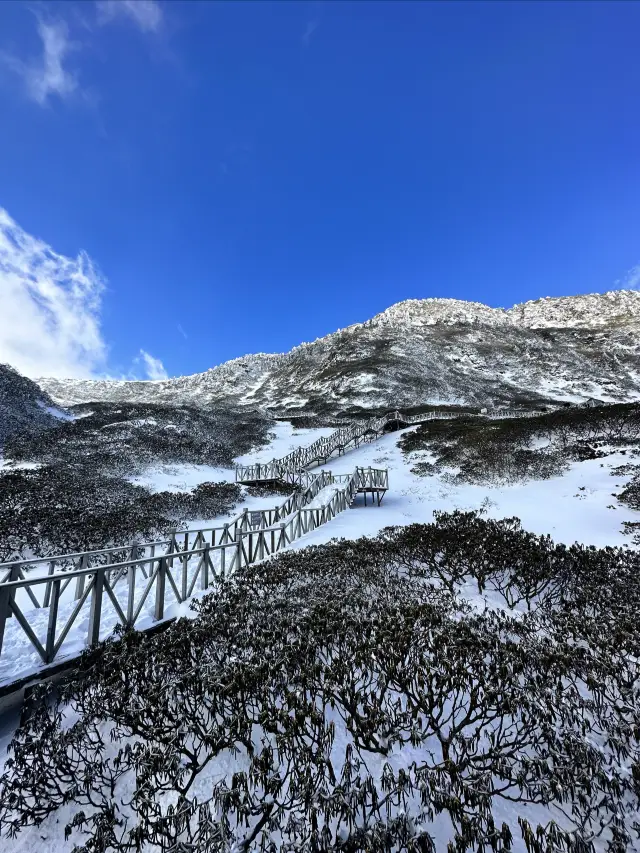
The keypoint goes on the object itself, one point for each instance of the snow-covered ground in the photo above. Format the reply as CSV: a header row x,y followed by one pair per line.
x,y
9,465
56,412
577,506
181,478
572,507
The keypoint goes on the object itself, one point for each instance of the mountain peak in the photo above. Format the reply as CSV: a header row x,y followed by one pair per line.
x,y
585,310
423,352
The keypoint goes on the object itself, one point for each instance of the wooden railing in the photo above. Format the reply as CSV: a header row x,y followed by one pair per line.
x,y
43,602
291,468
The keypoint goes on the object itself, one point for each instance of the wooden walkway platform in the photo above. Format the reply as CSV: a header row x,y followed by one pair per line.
x,y
45,603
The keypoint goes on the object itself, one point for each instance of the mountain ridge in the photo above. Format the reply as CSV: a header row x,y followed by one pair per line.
x,y
439,351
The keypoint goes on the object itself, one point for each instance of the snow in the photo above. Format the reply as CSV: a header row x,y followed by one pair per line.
x,y
571,507
181,478
56,412
9,465
284,438
577,506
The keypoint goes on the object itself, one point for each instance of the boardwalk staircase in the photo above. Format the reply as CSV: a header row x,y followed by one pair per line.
x,y
52,608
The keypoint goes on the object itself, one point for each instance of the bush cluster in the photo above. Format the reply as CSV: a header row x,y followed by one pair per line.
x,y
80,497
66,509
274,489
516,449
630,496
348,697
125,437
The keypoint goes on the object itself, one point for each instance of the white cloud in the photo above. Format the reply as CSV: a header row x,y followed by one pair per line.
x,y
50,312
47,75
632,279
146,14
49,307
154,368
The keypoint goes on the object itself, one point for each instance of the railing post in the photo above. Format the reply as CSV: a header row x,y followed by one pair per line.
x,y
53,619
131,590
96,607
204,577
173,545
81,579
47,593
185,563
161,580
6,597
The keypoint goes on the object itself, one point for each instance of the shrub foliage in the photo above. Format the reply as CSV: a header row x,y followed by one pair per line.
x,y
445,686
78,496
521,448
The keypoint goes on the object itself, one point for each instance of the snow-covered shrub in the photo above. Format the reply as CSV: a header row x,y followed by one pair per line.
x,y
65,509
80,497
346,698
516,449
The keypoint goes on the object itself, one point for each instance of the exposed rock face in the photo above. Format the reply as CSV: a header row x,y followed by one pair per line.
x,y
420,352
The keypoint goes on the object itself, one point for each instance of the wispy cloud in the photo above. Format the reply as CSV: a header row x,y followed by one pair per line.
x,y
146,14
47,75
50,307
310,29
632,278
182,332
153,367
50,312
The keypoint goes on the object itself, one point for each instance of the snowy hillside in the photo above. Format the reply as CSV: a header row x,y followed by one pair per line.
x,y
423,352
454,669
24,406
478,627
437,661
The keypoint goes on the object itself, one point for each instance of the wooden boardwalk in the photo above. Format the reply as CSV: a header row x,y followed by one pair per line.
x,y
46,603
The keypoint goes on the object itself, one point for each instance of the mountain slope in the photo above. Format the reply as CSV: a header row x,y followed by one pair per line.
x,y
24,405
420,352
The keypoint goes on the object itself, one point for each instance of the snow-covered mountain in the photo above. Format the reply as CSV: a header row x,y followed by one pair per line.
x,y
421,352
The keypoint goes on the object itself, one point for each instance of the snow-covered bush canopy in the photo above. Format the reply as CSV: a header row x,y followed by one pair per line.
x,y
68,488
461,685
517,449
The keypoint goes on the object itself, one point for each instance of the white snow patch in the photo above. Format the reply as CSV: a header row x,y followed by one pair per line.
x,y
557,506
56,412
9,465
181,478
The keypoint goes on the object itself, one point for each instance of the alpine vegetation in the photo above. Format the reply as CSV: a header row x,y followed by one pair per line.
x,y
519,449
459,685
68,487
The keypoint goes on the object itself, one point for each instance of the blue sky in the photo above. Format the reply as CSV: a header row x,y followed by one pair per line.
x,y
249,175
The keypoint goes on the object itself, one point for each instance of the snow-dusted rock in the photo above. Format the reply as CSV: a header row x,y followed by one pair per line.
x,y
423,351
